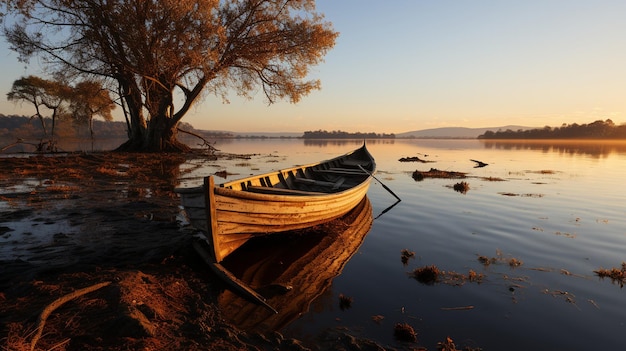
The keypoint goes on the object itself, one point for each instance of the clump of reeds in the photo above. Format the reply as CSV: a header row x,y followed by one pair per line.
x,y
616,275
462,187
405,255
404,332
345,302
427,274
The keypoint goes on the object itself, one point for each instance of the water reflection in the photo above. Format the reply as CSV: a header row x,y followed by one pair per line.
x,y
595,148
292,271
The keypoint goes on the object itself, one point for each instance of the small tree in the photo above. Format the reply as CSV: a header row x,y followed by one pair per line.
x,y
42,93
31,89
88,100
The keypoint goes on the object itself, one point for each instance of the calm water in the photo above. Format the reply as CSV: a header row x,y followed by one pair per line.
x,y
559,208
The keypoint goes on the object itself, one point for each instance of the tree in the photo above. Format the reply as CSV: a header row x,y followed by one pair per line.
x,y
33,90
88,100
158,51
41,92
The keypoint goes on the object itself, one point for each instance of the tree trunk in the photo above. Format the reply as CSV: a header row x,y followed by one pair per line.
x,y
158,135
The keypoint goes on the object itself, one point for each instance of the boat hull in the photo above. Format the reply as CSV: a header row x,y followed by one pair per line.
x,y
236,211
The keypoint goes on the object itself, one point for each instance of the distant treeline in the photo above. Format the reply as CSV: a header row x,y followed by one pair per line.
x,y
596,130
30,128
13,127
337,134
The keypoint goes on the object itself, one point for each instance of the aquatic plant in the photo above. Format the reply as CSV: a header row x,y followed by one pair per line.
x,y
345,302
461,187
616,275
427,274
406,255
404,332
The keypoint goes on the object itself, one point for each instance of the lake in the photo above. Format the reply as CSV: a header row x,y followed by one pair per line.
x,y
533,226
516,252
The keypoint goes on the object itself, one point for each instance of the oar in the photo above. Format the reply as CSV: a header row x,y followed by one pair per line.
x,y
381,183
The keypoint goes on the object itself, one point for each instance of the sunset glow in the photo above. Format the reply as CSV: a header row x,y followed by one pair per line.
x,y
428,64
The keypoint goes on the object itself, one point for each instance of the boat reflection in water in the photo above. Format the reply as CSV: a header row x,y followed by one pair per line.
x,y
292,270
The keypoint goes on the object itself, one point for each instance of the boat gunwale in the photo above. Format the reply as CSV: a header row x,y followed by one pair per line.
x,y
304,167
315,196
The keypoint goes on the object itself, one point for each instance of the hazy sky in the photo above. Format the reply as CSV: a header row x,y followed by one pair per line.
x,y
414,64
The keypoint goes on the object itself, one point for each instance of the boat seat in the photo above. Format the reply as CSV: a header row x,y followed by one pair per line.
x,y
281,191
335,185
344,171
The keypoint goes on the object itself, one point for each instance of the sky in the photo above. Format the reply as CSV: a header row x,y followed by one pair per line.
x,y
418,64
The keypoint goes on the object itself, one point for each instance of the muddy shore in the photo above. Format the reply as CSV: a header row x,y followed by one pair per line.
x,y
111,222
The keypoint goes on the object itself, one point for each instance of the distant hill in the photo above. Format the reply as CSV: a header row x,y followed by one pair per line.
x,y
455,132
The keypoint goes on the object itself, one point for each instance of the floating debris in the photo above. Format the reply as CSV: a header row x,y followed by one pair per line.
x,y
493,179
486,261
475,277
448,345
404,332
522,195
378,318
427,275
479,164
513,262
406,255
462,187
430,275
414,159
615,274
435,173
345,302
568,297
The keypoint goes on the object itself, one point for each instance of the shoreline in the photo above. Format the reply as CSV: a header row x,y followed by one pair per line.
x,y
71,222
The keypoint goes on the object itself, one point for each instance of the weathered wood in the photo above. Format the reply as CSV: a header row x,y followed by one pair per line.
x,y
288,199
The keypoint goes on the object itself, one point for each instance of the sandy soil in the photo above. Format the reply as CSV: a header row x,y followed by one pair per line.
x,y
111,224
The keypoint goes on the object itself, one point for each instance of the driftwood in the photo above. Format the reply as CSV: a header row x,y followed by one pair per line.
x,y
414,159
42,146
56,304
435,173
206,143
479,164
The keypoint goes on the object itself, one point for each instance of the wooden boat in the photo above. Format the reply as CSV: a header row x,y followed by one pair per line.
x,y
232,213
292,271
